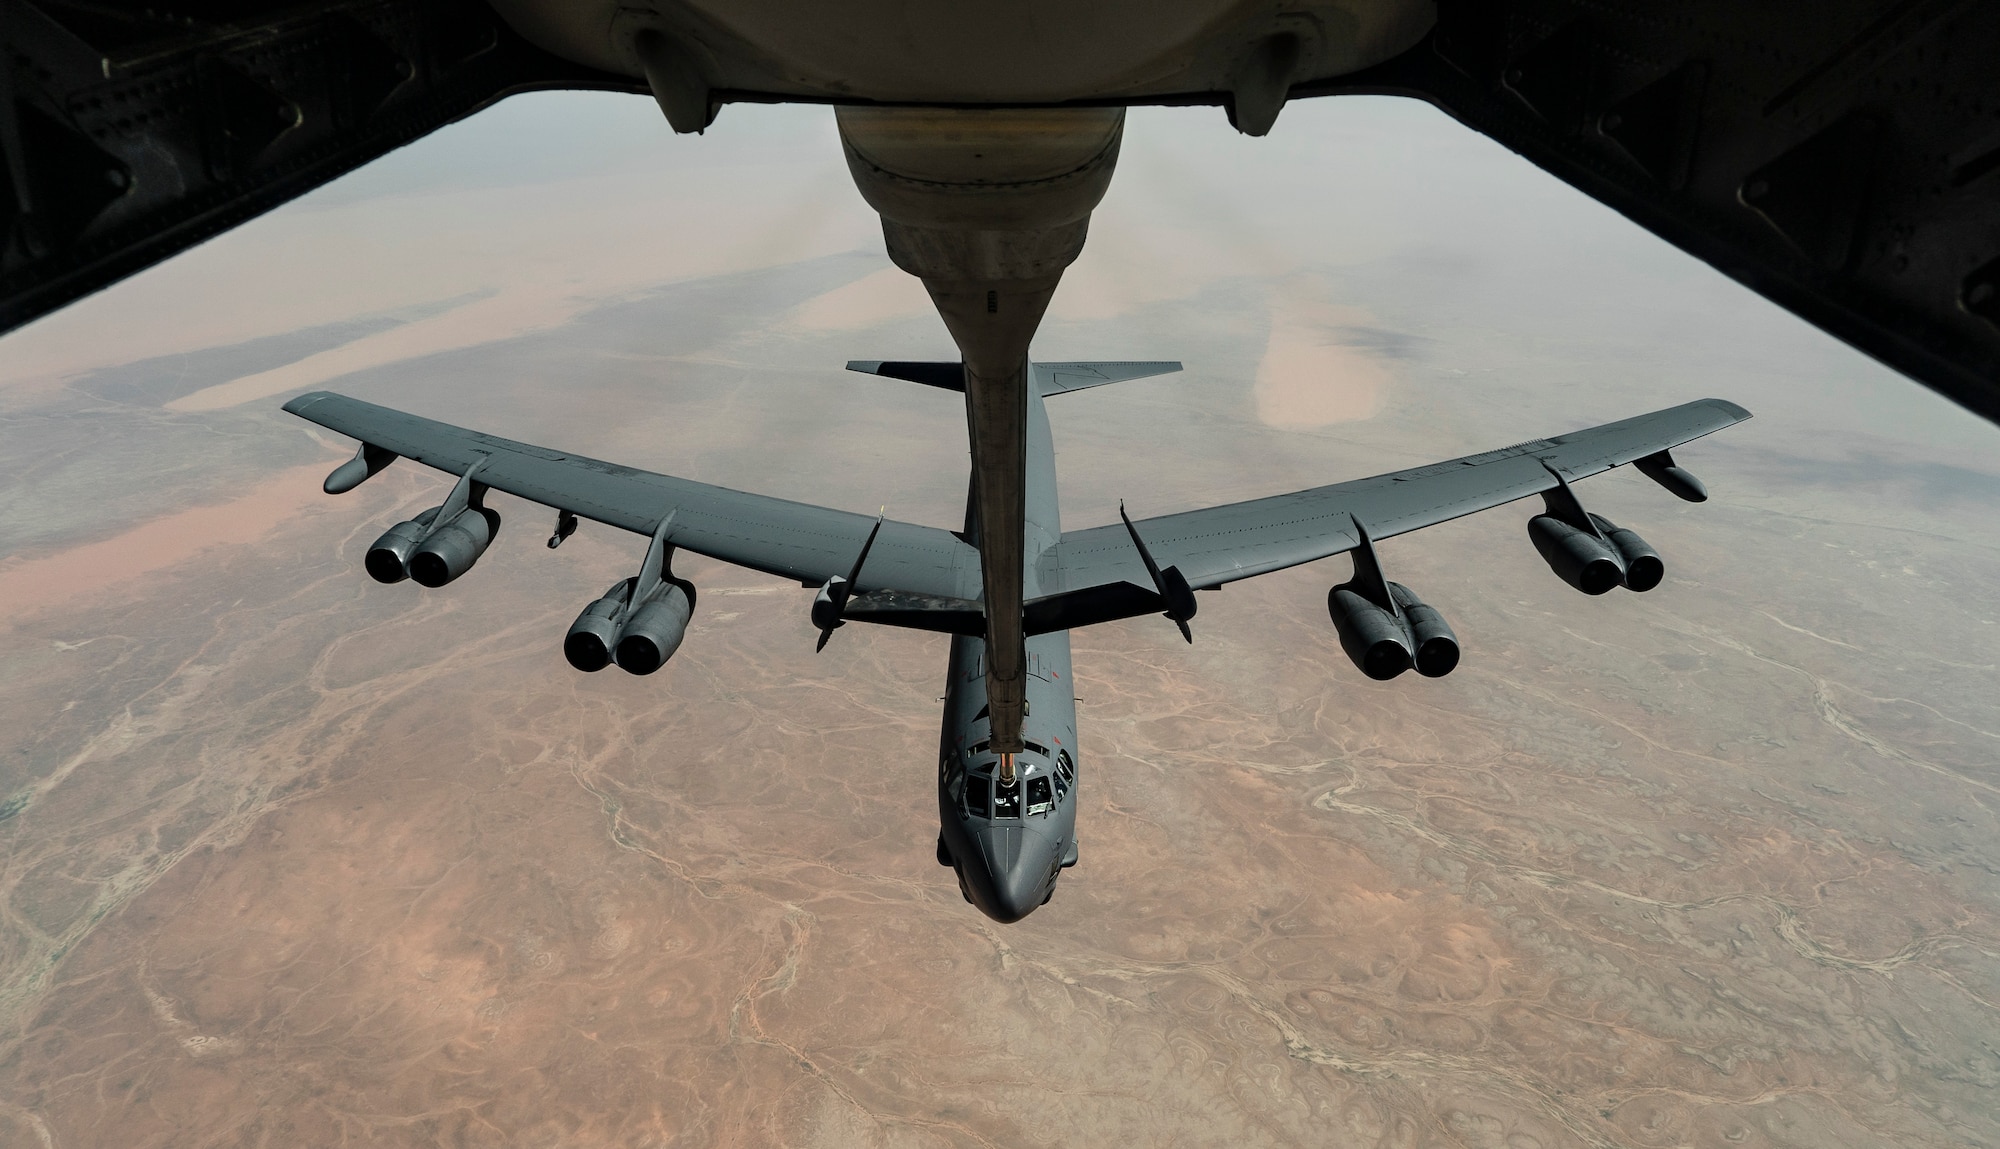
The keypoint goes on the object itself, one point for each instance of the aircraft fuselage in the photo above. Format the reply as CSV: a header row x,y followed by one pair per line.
x,y
1009,841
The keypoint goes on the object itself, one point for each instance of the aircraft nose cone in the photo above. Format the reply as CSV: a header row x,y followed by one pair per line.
x,y
1018,859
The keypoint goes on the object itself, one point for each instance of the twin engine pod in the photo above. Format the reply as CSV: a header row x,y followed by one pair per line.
x,y
1384,643
640,639
1594,563
433,556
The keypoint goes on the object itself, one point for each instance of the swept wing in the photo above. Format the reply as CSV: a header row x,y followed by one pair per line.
x,y
1217,545
777,536
928,578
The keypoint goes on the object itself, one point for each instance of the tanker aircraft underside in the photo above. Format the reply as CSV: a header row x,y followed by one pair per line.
x,y
1007,797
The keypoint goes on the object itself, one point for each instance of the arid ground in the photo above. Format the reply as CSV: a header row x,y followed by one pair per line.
x,y
289,858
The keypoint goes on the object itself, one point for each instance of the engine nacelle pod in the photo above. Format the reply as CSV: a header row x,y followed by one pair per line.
x,y
389,558
1662,469
1643,568
594,635
1436,646
451,550
1372,637
655,630
1578,557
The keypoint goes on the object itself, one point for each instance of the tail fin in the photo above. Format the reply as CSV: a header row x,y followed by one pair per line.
x,y
1055,378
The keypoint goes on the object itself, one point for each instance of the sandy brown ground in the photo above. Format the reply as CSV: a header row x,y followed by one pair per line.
x,y
409,881
360,865
291,859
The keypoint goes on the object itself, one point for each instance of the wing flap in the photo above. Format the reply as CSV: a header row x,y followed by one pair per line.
x,y
776,536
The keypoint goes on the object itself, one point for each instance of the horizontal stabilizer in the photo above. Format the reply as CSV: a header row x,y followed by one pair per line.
x,y
950,376
1059,378
1056,378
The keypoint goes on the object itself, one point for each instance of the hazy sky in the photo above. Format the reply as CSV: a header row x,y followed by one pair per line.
x,y
526,214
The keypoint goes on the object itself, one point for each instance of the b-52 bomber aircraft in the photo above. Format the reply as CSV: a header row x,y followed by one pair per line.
x,y
1007,813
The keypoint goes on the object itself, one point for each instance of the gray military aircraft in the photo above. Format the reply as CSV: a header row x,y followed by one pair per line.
x,y
1007,814
1846,180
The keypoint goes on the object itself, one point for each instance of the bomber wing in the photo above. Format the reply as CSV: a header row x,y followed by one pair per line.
x,y
1100,574
928,578
776,536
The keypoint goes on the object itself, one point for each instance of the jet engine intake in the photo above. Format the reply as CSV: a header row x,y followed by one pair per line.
x,y
389,558
655,630
1374,639
594,635
1578,557
1594,563
450,550
1643,568
1436,646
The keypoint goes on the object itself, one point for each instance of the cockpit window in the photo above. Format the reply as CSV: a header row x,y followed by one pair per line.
x,y
1007,800
1037,748
1038,794
976,790
1065,766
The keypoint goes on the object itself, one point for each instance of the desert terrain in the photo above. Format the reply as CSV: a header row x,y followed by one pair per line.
x,y
289,858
